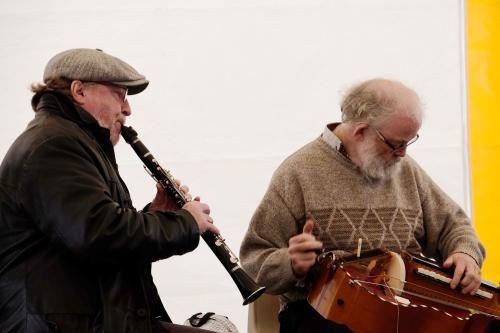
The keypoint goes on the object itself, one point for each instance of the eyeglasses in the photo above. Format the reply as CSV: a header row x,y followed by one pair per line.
x,y
120,91
122,94
393,147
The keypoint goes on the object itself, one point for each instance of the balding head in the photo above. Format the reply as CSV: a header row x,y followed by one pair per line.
x,y
379,119
375,100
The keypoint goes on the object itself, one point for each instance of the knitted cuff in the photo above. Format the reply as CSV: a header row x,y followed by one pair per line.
x,y
472,251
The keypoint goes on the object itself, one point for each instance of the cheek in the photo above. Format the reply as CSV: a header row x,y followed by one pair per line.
x,y
386,155
381,151
112,114
107,119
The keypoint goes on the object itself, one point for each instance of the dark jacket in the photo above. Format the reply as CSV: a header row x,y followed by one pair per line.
x,y
75,256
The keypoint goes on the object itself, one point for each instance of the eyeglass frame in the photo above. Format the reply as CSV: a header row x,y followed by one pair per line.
x,y
393,148
107,84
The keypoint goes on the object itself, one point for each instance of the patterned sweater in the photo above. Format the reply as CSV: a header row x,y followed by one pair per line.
x,y
407,211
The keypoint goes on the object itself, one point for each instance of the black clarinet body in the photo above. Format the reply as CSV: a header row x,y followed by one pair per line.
x,y
247,287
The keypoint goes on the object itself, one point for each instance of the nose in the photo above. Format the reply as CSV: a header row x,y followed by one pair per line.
x,y
126,109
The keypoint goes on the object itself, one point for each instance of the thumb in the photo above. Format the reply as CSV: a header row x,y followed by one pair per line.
x,y
448,262
308,227
160,192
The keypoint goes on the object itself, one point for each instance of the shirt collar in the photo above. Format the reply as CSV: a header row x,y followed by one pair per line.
x,y
332,140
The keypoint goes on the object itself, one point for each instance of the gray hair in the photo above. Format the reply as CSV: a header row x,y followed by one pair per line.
x,y
372,101
57,84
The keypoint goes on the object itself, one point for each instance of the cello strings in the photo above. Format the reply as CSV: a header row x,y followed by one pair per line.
x,y
456,306
468,304
397,305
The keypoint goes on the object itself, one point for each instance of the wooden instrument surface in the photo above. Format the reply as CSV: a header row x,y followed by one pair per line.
x,y
378,292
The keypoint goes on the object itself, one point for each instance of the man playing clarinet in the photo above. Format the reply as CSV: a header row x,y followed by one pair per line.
x,y
75,256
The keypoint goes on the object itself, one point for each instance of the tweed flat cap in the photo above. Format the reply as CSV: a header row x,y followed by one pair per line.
x,y
96,66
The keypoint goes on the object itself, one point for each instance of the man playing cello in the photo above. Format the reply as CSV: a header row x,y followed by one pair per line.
x,y
357,182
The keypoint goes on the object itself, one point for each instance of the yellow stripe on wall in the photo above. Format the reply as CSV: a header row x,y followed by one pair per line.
x,y
483,71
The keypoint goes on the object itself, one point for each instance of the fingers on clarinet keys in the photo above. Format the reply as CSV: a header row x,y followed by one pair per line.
x,y
198,211
211,226
184,189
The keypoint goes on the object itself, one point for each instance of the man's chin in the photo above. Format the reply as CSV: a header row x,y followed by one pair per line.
x,y
114,138
393,168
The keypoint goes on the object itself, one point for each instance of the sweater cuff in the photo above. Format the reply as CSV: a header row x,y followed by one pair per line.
x,y
289,278
472,251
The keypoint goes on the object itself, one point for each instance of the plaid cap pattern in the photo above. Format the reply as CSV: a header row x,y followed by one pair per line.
x,y
96,66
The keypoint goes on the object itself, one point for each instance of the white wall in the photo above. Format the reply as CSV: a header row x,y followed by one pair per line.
x,y
235,87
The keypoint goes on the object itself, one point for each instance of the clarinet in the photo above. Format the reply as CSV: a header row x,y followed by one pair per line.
x,y
247,287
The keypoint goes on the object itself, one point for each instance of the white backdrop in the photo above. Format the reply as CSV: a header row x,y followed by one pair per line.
x,y
238,85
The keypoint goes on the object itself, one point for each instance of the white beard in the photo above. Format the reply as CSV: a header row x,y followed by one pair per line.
x,y
372,166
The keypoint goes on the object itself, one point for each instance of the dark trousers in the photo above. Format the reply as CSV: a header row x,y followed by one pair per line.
x,y
300,317
164,327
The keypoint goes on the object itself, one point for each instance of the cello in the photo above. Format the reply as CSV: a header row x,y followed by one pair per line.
x,y
381,291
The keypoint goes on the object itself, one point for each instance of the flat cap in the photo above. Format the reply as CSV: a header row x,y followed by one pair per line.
x,y
96,66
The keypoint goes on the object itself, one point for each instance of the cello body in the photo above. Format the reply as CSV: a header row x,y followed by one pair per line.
x,y
369,295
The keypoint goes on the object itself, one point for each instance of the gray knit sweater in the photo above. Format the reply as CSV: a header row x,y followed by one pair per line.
x,y
408,212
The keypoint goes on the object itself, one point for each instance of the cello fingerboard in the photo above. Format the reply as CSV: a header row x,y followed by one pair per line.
x,y
445,279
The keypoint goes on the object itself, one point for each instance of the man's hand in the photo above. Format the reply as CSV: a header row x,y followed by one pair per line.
x,y
467,273
163,203
200,212
301,249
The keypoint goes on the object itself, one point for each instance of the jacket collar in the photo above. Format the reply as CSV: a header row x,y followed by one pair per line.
x,y
62,106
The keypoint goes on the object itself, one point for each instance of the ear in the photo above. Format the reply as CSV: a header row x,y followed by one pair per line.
x,y
77,91
359,130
